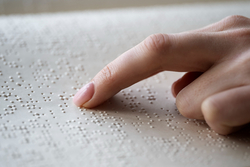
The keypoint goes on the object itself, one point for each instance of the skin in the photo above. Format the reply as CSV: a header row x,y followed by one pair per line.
x,y
216,87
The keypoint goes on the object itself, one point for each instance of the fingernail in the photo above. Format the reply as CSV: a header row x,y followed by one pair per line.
x,y
84,94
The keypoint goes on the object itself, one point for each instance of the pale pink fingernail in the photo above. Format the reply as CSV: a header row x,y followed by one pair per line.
x,y
84,94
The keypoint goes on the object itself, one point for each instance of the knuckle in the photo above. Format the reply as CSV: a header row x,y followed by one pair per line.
x,y
157,43
236,19
108,74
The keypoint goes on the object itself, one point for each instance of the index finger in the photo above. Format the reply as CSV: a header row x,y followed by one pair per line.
x,y
159,52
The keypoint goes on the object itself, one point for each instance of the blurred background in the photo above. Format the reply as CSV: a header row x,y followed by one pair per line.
x,y
42,6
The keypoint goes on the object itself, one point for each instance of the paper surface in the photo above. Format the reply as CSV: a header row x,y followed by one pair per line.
x,y
46,58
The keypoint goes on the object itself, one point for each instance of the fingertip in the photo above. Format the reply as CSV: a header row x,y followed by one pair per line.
x,y
84,94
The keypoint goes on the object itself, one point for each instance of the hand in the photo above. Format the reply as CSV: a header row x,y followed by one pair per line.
x,y
215,88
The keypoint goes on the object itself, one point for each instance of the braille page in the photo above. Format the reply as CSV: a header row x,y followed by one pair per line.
x,y
46,58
